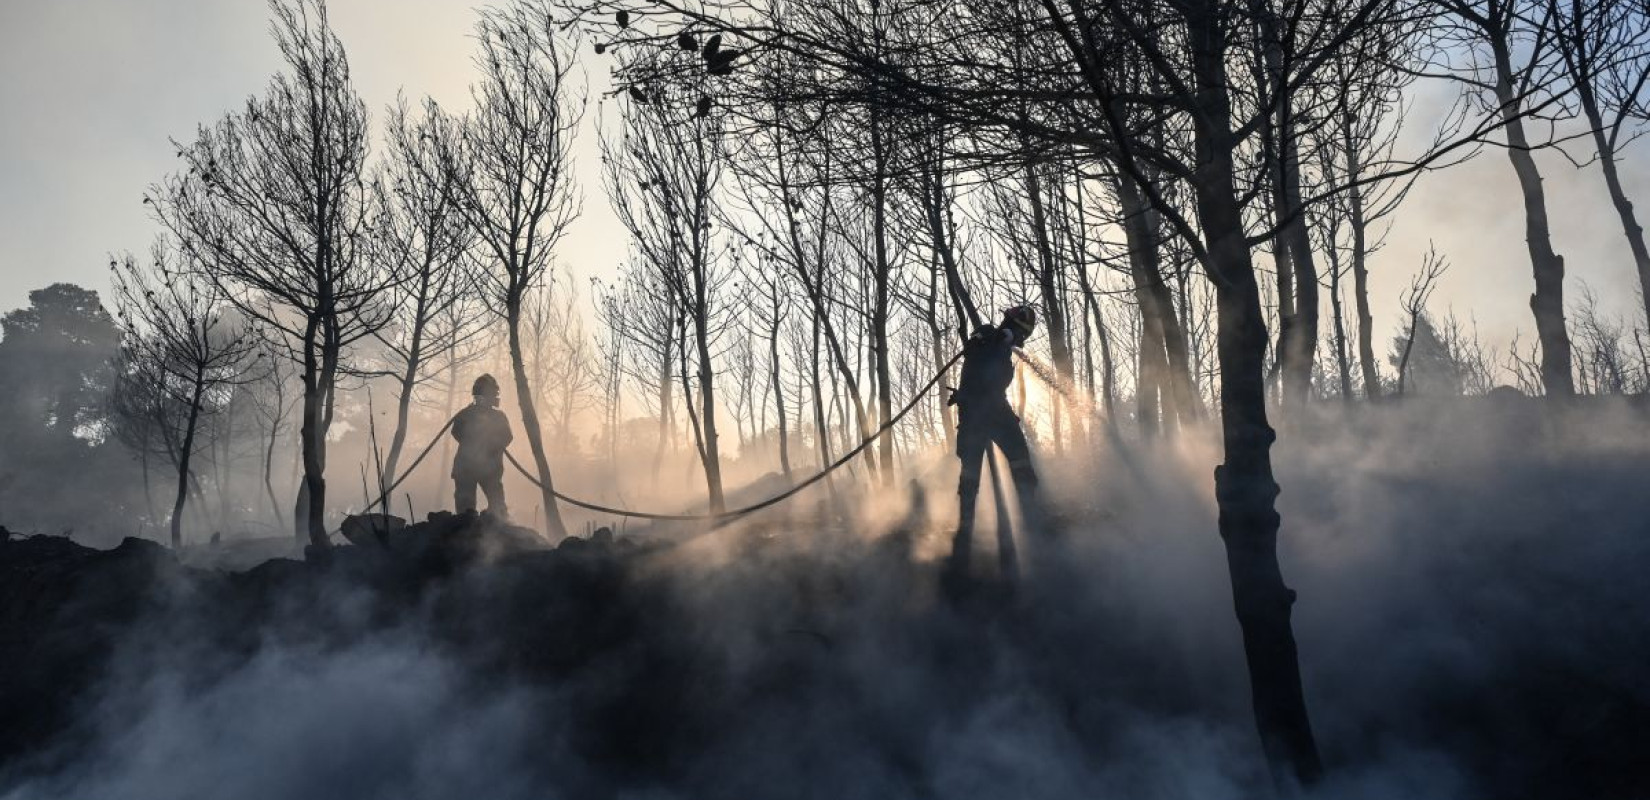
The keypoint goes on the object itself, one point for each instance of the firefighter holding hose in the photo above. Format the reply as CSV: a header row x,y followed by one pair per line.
x,y
984,418
482,432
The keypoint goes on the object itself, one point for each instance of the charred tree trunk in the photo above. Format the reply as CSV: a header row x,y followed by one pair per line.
x,y
1282,264
148,488
1089,309
269,475
1548,301
403,407
311,505
814,286
880,302
1245,489
1108,365
1291,247
937,350
665,381
1173,377
822,428
1360,264
184,457
1054,307
709,451
1151,395
1108,370
1630,227
223,474
530,419
1297,371
783,423
934,203
1343,364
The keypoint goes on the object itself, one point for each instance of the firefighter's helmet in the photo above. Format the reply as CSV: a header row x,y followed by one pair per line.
x,y
485,386
1022,320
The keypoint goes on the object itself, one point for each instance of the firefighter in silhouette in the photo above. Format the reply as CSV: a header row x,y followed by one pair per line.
x,y
984,418
482,433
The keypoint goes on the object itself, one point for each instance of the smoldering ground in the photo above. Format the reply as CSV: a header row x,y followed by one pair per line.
x,y
1471,624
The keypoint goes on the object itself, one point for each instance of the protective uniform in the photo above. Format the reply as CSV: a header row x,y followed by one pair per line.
x,y
984,418
483,433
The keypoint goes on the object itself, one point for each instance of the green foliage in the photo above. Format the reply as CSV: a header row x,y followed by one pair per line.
x,y
55,363
56,451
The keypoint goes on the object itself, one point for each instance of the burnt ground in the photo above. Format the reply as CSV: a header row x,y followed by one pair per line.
x,y
1462,636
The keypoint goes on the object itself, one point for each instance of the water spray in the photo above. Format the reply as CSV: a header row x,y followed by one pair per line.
x,y
1078,400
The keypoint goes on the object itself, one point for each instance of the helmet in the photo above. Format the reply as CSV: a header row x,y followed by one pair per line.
x,y
1022,320
485,386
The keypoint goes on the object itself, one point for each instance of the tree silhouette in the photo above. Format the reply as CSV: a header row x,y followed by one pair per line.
x,y
184,348
514,185
274,210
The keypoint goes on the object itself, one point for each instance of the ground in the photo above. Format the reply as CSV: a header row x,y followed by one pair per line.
x,y
1471,624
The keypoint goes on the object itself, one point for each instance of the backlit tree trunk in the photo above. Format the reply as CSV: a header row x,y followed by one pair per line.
x,y
1548,301
1245,489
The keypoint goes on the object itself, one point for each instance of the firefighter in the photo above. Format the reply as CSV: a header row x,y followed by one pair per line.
x,y
984,418
482,432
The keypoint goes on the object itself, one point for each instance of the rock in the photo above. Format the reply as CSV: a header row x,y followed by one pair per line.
x,y
144,550
446,541
370,530
62,607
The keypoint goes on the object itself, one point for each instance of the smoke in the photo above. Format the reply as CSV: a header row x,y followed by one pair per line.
x,y
375,720
1469,625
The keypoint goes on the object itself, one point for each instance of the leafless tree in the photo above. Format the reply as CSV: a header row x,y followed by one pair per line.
x,y
1603,360
424,238
560,359
274,210
1414,304
771,315
744,398
1525,367
646,318
1164,394
1503,52
611,351
1211,76
1475,365
1361,135
183,343
663,177
1605,47
789,183
272,403
515,187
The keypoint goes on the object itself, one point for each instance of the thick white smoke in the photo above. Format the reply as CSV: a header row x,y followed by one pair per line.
x,y
1470,625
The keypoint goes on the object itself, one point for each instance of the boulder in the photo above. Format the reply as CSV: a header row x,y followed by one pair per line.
x,y
370,530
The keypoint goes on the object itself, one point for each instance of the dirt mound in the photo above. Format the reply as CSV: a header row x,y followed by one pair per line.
x,y
63,606
68,611
443,542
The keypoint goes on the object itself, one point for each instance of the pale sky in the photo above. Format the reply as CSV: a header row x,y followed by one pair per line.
x,y
93,90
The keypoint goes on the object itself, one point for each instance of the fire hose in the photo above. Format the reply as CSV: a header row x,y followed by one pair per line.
x,y
774,500
911,405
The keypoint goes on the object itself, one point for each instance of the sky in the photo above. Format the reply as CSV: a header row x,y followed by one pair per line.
x,y
94,90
